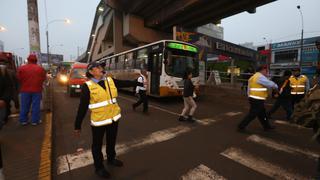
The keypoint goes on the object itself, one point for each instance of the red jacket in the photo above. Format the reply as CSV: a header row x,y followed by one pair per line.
x,y
31,77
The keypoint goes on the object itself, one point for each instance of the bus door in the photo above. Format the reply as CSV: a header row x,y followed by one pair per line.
x,y
155,70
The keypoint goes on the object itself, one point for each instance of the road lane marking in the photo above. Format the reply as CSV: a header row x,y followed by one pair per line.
x,y
44,172
282,146
289,124
70,162
233,113
259,165
202,172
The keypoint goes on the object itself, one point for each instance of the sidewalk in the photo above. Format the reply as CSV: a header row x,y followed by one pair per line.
x,y
26,150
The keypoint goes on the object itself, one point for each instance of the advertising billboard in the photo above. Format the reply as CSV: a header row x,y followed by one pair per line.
x,y
54,58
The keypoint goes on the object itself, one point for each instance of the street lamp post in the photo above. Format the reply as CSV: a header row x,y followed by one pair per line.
x,y
47,35
301,41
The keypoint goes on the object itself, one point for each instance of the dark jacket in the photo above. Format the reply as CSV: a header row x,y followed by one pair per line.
x,y
188,88
85,98
286,92
4,86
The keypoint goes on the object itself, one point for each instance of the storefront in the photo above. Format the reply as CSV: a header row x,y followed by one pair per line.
x,y
287,55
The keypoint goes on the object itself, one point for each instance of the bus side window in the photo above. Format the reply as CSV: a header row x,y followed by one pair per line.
x,y
129,61
107,67
142,59
121,62
113,64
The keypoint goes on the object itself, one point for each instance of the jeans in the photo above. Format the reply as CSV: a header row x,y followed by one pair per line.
x,y
27,100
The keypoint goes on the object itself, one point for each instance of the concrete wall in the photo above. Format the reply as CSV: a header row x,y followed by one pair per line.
x,y
135,31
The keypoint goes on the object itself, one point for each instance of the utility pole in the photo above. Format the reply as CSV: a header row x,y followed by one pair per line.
x,y
33,21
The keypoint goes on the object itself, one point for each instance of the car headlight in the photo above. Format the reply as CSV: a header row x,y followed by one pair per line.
x,y
63,78
75,86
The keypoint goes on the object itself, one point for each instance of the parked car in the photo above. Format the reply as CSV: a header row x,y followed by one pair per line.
x,y
77,77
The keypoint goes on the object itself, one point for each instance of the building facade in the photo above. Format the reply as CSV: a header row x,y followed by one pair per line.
x,y
287,55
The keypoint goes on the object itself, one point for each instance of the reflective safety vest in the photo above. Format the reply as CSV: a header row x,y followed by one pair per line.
x,y
103,103
298,85
257,91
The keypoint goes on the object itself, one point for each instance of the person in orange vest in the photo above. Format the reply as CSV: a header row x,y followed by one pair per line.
x,y
99,94
258,92
300,86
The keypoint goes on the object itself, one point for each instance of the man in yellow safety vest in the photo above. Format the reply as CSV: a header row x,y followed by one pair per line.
x,y
258,92
300,85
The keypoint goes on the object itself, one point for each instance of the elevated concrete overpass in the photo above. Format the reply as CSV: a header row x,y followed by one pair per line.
x,y
120,25
163,14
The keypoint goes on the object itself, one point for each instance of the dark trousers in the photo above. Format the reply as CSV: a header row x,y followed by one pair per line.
x,y
143,98
257,109
97,141
285,103
8,112
296,99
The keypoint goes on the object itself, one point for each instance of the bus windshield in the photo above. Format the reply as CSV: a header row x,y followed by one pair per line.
x,y
179,61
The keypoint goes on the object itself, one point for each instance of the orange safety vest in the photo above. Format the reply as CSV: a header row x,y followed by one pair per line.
x,y
103,103
257,91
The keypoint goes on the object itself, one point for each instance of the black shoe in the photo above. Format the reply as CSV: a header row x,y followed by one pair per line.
x,y
181,118
269,128
115,162
103,173
190,119
241,130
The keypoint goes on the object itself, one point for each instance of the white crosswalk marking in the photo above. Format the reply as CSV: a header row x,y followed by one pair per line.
x,y
69,162
282,146
202,172
261,166
289,124
233,113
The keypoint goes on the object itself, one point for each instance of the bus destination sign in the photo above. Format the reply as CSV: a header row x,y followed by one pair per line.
x,y
182,47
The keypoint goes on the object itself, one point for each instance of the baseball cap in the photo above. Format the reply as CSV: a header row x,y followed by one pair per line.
x,y
93,64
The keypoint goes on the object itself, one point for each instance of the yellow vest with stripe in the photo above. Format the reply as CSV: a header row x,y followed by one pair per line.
x,y
298,85
103,103
257,91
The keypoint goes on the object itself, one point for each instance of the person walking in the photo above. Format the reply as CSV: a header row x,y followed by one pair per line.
x,y
14,91
300,85
31,77
99,94
316,78
142,91
283,96
4,98
189,103
258,92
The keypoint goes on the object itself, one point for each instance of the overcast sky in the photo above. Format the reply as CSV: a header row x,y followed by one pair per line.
x,y
276,22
